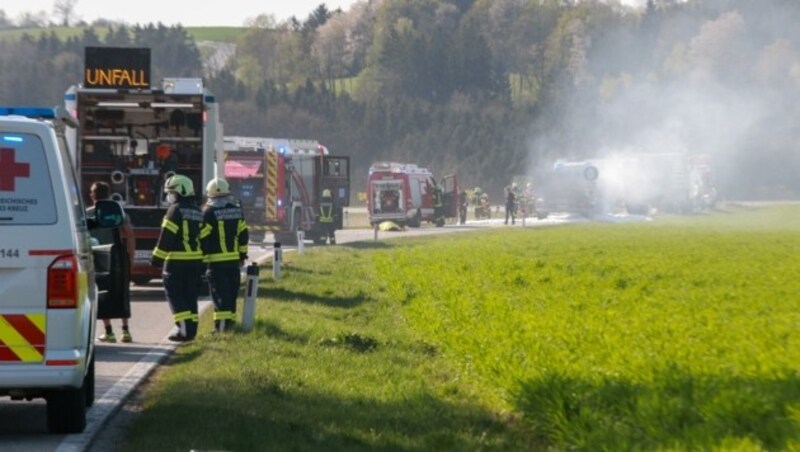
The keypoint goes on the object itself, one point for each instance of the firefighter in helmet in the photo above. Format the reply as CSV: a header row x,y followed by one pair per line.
x,y
224,239
178,253
438,205
327,217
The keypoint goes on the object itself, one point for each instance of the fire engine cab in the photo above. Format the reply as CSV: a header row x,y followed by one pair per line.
x,y
279,183
404,194
135,136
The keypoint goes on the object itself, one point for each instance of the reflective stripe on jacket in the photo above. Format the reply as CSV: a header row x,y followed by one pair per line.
x,y
326,212
180,230
224,236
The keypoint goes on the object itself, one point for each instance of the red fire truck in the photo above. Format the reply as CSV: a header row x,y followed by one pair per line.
x,y
403,193
279,183
135,136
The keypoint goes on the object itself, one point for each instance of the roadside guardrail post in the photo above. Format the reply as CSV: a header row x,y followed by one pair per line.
x,y
301,237
375,228
251,290
277,257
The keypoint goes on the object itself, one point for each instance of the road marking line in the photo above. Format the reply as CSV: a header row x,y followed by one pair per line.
x,y
103,409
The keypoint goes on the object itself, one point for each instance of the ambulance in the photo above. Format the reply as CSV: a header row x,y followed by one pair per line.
x,y
49,290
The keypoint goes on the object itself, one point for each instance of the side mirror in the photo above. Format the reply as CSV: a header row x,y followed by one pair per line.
x,y
108,214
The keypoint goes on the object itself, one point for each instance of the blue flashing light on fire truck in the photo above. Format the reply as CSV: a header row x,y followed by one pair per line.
x,y
279,184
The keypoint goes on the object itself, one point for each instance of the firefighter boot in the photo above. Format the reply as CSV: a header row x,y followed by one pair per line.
x,y
191,329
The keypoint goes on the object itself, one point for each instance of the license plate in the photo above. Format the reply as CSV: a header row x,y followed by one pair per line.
x,y
143,255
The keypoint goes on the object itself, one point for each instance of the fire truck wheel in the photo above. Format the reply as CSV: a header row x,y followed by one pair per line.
x,y
140,280
256,236
416,221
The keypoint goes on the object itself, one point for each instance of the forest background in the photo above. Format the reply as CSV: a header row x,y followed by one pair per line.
x,y
486,89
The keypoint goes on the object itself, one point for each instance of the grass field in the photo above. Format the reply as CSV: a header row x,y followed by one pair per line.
x,y
678,334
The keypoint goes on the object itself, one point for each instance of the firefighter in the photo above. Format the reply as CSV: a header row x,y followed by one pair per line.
x,y
462,207
510,205
223,239
178,253
327,217
438,205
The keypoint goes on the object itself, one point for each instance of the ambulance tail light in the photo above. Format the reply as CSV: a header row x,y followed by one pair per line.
x,y
62,283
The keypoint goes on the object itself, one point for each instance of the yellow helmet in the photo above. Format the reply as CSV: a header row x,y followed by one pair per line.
x,y
326,193
217,187
179,184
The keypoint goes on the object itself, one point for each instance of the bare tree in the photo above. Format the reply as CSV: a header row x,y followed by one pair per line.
x,y
64,10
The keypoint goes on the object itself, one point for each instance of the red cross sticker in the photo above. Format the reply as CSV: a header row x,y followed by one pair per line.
x,y
10,170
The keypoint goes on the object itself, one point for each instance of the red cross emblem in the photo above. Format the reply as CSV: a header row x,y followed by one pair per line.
x,y
10,170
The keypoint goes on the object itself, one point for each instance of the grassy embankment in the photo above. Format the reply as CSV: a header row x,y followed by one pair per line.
x,y
680,334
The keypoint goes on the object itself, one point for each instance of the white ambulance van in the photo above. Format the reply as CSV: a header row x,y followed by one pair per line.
x,y
48,293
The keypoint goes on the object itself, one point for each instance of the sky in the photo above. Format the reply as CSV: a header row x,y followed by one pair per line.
x,y
169,12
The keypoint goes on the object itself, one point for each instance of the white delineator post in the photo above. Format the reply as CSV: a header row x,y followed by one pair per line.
x,y
301,246
277,257
251,290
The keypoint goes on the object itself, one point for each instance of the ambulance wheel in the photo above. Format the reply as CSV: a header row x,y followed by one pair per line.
x,y
88,383
66,410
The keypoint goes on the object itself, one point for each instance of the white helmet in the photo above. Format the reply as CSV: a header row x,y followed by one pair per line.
x,y
218,187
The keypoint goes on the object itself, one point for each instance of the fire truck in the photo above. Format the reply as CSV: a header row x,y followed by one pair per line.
x,y
403,193
279,183
134,137
676,182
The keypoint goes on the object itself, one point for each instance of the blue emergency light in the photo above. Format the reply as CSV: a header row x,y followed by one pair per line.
x,y
13,139
31,112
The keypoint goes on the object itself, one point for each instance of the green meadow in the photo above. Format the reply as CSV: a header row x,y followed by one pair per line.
x,y
677,334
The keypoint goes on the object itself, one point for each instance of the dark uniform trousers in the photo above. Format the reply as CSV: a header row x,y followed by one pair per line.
x,y
224,239
182,284
224,279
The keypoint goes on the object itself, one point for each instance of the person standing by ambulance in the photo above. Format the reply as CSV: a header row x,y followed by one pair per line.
x,y
121,306
178,252
223,239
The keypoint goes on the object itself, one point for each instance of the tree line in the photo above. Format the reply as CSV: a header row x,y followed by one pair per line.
x,y
491,89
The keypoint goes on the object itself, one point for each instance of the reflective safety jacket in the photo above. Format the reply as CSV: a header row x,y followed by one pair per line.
x,y
437,197
326,211
180,233
224,236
